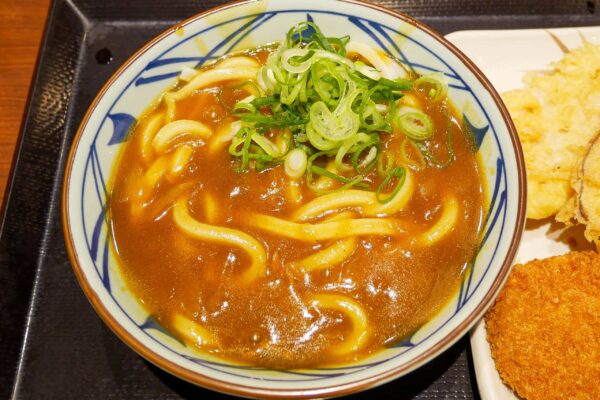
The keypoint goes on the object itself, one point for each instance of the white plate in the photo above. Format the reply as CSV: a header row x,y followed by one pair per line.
x,y
505,56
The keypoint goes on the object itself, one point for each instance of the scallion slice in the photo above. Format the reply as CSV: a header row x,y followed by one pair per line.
x,y
295,163
400,174
434,86
405,150
431,158
268,147
415,124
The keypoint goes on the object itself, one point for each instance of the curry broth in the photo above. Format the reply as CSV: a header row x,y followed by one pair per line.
x,y
267,323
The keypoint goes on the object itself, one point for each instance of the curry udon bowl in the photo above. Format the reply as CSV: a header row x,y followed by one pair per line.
x,y
105,130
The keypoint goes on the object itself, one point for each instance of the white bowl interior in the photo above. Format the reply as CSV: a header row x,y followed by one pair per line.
x,y
243,26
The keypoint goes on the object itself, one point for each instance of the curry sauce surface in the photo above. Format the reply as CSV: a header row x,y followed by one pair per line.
x,y
268,323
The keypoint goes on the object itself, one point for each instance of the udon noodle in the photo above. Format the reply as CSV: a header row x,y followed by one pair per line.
x,y
297,205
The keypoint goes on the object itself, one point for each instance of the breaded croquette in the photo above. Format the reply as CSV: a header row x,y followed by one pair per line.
x,y
544,329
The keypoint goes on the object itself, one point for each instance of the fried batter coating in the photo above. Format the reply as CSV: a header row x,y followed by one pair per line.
x,y
557,115
584,206
544,329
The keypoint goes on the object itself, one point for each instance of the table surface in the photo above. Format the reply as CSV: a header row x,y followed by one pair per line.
x,y
21,29
60,325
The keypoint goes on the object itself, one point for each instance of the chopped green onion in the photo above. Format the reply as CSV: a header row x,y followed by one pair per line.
x,y
295,163
301,58
322,171
371,119
317,140
370,160
246,151
398,84
367,70
336,126
434,86
275,122
348,183
400,174
265,101
431,158
243,106
349,145
382,170
415,124
316,102
284,141
263,162
235,145
418,164
268,147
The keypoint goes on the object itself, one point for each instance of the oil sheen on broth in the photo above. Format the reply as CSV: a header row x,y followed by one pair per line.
x,y
251,264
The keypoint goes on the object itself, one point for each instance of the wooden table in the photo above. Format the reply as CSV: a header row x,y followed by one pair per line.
x,y
21,27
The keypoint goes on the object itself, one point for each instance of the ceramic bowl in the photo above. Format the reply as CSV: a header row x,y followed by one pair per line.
x,y
238,26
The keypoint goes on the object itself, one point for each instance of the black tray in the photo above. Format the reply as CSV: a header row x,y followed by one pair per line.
x,y
52,344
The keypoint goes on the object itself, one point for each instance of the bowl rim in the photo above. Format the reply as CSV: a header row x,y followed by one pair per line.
x,y
335,389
